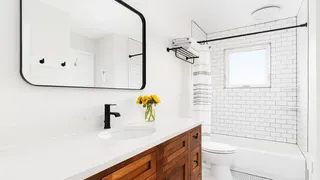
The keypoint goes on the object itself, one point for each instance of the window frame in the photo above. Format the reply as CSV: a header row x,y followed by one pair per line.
x,y
249,48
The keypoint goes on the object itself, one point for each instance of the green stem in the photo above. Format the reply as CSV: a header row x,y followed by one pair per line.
x,y
152,115
149,113
146,113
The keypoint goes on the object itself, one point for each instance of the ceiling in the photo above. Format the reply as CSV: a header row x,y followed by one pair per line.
x,y
211,15
219,15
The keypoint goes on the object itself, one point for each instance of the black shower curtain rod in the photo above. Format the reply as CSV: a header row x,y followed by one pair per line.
x,y
254,33
134,55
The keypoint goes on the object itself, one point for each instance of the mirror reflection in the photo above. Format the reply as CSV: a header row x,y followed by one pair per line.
x,y
81,43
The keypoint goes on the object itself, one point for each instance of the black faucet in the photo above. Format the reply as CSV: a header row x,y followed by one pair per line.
x,y
107,115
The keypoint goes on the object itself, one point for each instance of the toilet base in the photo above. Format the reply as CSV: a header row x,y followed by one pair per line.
x,y
220,172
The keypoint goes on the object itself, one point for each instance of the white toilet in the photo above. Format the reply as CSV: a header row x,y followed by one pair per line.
x,y
220,157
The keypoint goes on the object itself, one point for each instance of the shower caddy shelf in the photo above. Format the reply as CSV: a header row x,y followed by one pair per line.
x,y
183,54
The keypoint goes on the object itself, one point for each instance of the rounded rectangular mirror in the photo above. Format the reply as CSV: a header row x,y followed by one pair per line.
x,y
83,44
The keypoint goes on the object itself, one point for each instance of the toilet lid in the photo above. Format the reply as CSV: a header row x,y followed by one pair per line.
x,y
218,148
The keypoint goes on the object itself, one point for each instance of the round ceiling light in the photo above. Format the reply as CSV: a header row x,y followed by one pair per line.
x,y
266,13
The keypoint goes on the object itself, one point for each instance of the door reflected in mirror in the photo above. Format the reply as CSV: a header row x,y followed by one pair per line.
x,y
82,43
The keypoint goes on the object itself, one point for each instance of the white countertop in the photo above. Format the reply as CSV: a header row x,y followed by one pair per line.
x,y
80,157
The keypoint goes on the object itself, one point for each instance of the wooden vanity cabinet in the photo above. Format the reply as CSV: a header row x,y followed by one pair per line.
x,y
196,161
140,167
176,159
178,170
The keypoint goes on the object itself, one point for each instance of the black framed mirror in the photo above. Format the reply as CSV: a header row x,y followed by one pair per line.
x,y
82,44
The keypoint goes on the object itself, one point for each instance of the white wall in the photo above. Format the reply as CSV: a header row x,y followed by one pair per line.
x,y
135,64
52,29
302,79
258,113
314,87
82,43
104,61
317,167
113,58
30,114
121,61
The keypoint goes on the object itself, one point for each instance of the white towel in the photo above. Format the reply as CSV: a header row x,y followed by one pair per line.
x,y
181,40
189,48
189,44
193,51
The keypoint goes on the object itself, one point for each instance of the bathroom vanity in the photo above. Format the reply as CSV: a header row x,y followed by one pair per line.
x,y
176,159
168,149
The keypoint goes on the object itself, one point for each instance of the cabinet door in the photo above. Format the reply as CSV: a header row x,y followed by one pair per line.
x,y
142,169
152,177
196,163
175,149
177,170
195,138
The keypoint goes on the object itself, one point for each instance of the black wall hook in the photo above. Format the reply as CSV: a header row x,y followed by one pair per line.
x,y
63,64
42,61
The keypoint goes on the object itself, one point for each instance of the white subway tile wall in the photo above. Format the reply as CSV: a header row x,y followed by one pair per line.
x,y
258,113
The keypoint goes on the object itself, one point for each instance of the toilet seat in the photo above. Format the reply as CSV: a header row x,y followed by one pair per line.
x,y
218,148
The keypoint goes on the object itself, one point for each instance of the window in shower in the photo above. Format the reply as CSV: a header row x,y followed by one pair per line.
x,y
247,67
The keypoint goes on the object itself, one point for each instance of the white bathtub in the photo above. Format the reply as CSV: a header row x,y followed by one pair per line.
x,y
273,160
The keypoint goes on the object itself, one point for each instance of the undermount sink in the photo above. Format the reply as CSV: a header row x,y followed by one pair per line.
x,y
126,133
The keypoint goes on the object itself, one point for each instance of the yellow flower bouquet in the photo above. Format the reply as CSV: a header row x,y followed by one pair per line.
x,y
149,102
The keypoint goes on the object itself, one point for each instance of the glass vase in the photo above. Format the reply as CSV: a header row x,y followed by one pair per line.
x,y
150,114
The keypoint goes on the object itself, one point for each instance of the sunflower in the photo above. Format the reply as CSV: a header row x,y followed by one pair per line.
x,y
139,100
155,98
145,99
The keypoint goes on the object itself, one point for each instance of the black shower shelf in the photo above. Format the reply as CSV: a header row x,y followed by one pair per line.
x,y
183,54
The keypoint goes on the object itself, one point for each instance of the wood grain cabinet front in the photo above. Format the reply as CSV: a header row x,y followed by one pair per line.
x,y
175,149
140,167
178,170
152,177
176,159
195,138
196,163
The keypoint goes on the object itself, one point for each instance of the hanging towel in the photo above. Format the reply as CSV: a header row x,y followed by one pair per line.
x,y
181,40
189,44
